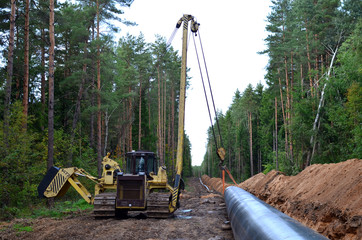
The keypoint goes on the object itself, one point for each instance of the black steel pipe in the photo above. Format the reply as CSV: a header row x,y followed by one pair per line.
x,y
252,218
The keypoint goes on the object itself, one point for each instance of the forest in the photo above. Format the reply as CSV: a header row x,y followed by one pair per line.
x,y
310,109
71,92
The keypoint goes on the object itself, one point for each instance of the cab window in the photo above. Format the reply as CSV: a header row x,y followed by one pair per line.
x,y
140,164
129,165
150,164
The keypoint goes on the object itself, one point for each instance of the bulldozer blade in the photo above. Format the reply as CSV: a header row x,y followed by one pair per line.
x,y
52,172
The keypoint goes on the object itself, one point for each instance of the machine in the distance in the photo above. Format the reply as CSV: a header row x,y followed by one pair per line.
x,y
143,185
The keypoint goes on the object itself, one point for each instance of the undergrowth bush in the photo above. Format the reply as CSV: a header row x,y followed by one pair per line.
x,y
24,161
61,209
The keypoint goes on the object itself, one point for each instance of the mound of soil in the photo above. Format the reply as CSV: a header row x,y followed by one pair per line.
x,y
201,216
324,197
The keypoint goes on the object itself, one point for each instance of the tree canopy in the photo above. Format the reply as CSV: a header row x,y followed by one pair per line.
x,y
309,110
130,84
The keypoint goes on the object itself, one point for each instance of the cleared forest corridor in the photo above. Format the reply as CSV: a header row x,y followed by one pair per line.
x,y
84,87
326,198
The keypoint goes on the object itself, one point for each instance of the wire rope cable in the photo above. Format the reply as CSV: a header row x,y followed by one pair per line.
x,y
171,37
206,98
212,97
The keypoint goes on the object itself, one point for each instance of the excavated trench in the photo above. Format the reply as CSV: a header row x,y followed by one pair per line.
x,y
325,197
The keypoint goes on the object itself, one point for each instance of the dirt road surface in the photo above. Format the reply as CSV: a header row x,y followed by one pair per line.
x,y
201,216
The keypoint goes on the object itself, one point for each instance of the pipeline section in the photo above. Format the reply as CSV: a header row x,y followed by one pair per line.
x,y
253,219
207,188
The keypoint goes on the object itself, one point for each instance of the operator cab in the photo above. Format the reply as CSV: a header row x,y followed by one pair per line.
x,y
141,162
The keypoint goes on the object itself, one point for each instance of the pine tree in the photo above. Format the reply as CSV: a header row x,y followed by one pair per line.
x,y
9,73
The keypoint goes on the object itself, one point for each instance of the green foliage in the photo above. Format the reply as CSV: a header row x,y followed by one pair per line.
x,y
268,167
186,165
23,163
62,209
302,36
137,76
17,183
128,95
21,228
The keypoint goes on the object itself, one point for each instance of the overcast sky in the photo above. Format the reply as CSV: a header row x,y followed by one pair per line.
x,y
232,32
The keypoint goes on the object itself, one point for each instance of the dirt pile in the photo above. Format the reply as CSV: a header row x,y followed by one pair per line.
x,y
215,183
325,197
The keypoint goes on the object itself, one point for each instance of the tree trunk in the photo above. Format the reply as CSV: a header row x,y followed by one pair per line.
x,y
301,80
284,117
99,122
291,110
309,62
130,111
91,136
42,76
17,77
239,164
208,160
51,86
106,121
317,117
50,162
251,144
173,150
140,116
149,108
159,127
123,131
9,78
26,65
238,151
104,116
92,100
316,66
229,147
229,155
168,142
276,135
164,119
242,161
212,160
287,112
77,105
259,160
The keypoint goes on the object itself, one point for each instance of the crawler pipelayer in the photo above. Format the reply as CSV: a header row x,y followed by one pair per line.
x,y
138,188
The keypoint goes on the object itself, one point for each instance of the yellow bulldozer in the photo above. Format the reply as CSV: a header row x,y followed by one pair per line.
x,y
137,188
142,186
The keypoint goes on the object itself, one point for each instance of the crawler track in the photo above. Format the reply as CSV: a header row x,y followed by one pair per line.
x,y
104,205
157,205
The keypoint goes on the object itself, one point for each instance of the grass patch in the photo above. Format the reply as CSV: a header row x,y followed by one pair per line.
x,y
62,209
20,228
187,185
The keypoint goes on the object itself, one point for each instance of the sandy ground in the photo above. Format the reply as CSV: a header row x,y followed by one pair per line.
x,y
325,197
201,216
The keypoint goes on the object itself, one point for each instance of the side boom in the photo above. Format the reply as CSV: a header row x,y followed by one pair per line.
x,y
181,118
